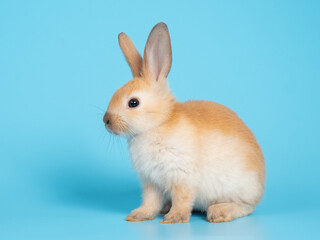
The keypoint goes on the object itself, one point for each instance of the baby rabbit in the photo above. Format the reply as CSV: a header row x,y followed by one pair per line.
x,y
193,155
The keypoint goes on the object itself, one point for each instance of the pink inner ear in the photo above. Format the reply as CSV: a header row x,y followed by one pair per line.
x,y
157,58
158,64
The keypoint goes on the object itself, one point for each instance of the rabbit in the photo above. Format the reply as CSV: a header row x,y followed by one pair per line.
x,y
196,155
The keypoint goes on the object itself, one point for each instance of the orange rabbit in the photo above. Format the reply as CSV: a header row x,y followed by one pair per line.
x,y
192,155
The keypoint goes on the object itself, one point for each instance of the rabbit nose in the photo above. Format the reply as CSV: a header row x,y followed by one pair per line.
x,y
106,119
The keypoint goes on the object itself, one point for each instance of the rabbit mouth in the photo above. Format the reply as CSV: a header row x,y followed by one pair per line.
x,y
116,131
115,124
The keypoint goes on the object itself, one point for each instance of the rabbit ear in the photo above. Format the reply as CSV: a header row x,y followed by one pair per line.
x,y
131,54
157,53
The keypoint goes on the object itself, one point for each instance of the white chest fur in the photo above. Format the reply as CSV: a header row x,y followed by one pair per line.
x,y
162,160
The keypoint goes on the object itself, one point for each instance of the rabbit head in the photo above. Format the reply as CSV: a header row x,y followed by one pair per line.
x,y
145,101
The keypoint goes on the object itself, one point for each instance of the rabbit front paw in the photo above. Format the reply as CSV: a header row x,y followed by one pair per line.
x,y
176,217
140,214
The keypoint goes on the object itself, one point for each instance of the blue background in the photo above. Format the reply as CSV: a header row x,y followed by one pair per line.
x,y
62,176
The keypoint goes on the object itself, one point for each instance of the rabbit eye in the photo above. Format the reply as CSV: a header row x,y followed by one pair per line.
x,y
133,103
